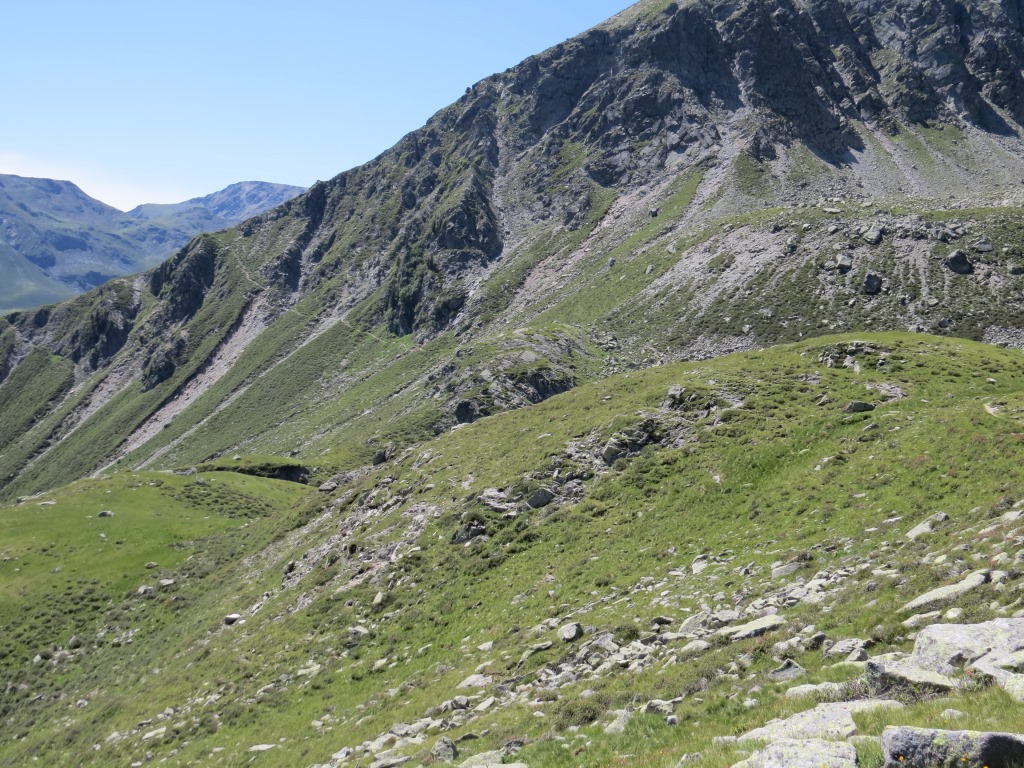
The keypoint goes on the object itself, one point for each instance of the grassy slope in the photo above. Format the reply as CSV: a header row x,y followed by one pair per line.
x,y
775,498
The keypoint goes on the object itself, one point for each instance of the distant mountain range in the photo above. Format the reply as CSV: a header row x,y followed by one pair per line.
x,y
56,241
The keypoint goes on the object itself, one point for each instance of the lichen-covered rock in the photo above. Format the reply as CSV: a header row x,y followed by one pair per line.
x,y
887,677
803,753
943,596
826,721
925,748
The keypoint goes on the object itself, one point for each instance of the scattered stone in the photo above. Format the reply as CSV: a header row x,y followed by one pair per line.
x,y
885,677
873,236
570,632
918,619
942,596
444,750
787,569
959,263
389,761
907,747
261,747
832,722
846,646
232,618
618,725
989,650
983,246
476,681
660,707
820,691
694,648
789,670
872,284
802,753
754,628
858,406
927,526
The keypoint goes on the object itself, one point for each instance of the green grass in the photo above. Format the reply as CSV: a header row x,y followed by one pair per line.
x,y
775,498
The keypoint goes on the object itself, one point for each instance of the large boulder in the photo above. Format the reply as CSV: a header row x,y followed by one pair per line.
x,y
803,753
993,650
959,263
832,722
887,677
907,747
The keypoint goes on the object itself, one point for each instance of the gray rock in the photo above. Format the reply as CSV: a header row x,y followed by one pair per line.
x,y
786,569
919,619
820,691
844,264
789,670
846,646
872,284
959,263
540,498
942,596
874,235
993,650
618,725
694,648
444,750
907,747
489,759
754,628
476,681
858,406
886,677
927,526
570,632
383,762
802,753
659,707
983,246
232,618
832,722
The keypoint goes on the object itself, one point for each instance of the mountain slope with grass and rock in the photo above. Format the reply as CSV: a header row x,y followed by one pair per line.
x,y
656,403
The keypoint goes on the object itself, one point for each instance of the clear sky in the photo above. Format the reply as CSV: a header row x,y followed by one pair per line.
x,y
163,100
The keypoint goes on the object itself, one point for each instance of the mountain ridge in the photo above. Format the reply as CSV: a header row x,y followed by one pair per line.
x,y
79,242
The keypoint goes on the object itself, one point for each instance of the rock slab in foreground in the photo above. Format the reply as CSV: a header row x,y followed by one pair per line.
x,y
993,649
925,748
832,722
803,753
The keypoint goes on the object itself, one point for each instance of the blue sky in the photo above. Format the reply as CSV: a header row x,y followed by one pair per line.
x,y
164,100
